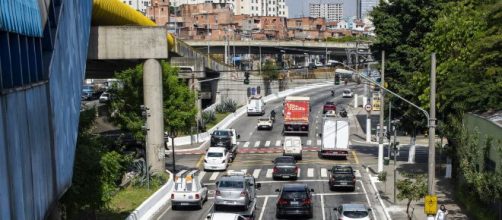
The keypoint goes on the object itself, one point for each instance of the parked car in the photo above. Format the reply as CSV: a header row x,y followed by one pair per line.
x,y
347,93
292,146
104,97
216,158
226,138
265,123
188,191
342,176
285,168
295,199
236,189
352,212
328,106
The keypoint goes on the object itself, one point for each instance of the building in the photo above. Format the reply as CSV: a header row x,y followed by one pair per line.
x,y
366,6
206,21
329,11
306,28
139,5
245,7
158,11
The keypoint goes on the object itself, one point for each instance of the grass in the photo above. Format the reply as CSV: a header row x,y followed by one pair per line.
x,y
218,118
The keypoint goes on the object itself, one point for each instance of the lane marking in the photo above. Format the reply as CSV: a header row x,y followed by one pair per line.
x,y
318,194
299,172
309,142
310,172
246,144
324,172
257,143
319,142
368,198
263,208
269,173
355,157
244,171
267,144
256,173
278,143
163,213
199,162
357,174
322,208
214,176
201,175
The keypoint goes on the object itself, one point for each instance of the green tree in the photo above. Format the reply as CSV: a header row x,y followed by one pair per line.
x,y
411,189
270,72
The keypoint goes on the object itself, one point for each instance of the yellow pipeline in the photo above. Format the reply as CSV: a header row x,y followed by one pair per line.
x,y
114,12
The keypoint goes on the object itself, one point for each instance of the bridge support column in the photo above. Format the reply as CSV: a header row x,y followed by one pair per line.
x,y
152,95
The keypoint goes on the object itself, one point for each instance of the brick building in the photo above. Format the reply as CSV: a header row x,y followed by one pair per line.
x,y
158,11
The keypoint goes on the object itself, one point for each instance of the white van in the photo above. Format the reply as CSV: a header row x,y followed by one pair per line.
x,y
256,106
292,146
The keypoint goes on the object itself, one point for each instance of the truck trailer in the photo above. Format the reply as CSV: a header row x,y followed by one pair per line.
x,y
335,138
296,115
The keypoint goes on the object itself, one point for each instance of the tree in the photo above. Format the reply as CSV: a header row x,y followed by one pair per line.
x,y
411,189
269,73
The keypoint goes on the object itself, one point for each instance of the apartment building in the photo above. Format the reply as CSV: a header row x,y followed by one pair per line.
x,y
306,28
329,11
158,11
245,7
139,5
206,21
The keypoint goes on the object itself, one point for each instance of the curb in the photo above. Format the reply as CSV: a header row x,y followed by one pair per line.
x,y
386,212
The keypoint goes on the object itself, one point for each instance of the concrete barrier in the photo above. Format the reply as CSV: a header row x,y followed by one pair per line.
x,y
151,206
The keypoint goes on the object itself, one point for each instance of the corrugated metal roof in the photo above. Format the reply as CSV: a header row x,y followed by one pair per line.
x,y
21,16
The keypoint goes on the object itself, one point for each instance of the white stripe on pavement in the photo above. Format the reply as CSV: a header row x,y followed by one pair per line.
x,y
318,142
256,144
267,144
357,173
201,175
263,209
246,144
269,173
299,172
256,173
324,172
310,172
214,176
244,171
278,143
309,142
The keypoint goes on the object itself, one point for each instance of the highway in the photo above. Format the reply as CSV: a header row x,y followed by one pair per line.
x,y
258,148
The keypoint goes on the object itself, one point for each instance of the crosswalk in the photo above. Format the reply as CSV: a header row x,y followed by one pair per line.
x,y
263,174
274,143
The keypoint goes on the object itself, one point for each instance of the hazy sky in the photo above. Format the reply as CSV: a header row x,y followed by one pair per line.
x,y
297,6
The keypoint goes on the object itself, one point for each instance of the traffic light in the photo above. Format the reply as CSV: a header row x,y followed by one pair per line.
x,y
337,79
258,90
246,79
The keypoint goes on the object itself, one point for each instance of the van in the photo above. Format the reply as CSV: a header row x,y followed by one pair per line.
x,y
256,106
292,146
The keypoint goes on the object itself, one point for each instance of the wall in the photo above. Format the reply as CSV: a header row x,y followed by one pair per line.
x,y
486,128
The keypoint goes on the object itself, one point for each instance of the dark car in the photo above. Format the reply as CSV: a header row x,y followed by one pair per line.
x,y
328,106
312,66
285,167
221,138
295,199
342,177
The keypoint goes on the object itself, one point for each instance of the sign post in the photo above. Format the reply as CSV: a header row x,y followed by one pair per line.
x,y
368,107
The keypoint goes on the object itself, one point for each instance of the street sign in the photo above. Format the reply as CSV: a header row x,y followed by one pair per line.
x,y
367,107
431,204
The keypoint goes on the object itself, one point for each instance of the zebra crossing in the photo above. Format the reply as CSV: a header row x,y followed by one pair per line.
x,y
276,143
261,174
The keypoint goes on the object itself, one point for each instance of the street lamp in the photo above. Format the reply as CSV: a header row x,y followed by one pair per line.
x,y
172,135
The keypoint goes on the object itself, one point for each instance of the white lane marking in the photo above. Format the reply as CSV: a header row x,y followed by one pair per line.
x,y
269,173
256,173
246,144
163,213
318,194
322,208
201,175
267,144
367,198
244,171
214,176
357,174
278,143
310,172
256,144
324,172
309,142
299,172
318,142
263,208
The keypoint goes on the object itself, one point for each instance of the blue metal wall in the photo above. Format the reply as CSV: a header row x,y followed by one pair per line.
x,y
39,121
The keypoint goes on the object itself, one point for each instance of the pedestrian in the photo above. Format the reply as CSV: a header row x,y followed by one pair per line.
x,y
441,214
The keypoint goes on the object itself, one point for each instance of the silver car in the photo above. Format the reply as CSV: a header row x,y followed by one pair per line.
x,y
352,212
235,189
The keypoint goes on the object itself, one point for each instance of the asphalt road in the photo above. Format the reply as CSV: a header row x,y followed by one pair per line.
x,y
313,170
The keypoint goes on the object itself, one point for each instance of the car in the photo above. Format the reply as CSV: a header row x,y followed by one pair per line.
x,y
342,176
265,123
225,138
331,113
328,106
104,97
216,158
235,190
188,191
292,146
285,168
312,66
347,93
225,216
295,199
352,212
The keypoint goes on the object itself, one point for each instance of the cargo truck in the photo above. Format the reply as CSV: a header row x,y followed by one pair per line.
x,y
296,115
335,138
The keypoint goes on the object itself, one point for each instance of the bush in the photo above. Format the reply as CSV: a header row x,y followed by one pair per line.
x,y
228,105
208,116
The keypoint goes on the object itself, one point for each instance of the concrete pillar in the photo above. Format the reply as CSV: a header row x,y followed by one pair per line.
x,y
355,100
152,93
365,101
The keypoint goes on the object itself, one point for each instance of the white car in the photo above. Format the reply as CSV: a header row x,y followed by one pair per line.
x,y
225,216
352,212
188,191
265,123
292,146
105,97
347,93
216,158
331,113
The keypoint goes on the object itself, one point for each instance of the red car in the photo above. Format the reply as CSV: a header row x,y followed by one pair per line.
x,y
328,106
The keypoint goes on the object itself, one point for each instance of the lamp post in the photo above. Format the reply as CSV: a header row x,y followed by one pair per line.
x,y
172,135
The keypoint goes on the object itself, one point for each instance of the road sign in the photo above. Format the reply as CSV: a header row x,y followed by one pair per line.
x,y
367,107
431,204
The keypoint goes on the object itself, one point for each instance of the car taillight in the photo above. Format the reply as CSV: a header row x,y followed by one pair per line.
x,y
296,169
333,178
217,193
307,202
353,179
172,195
282,201
244,193
275,170
197,196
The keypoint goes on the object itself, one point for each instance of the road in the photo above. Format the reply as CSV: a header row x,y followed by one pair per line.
x,y
258,148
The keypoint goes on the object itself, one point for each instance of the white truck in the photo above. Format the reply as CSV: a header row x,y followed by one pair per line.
x,y
188,191
256,105
335,138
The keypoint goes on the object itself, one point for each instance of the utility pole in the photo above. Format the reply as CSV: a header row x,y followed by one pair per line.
x,y
432,127
208,35
380,136
260,61
388,129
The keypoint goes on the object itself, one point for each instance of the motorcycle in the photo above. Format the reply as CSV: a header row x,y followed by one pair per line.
x,y
343,113
332,93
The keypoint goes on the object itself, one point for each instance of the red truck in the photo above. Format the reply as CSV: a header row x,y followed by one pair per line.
x,y
296,115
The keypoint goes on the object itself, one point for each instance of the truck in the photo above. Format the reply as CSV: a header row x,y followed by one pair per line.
x,y
226,138
188,190
256,106
335,138
296,115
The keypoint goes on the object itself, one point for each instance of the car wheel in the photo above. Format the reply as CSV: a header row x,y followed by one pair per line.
x,y
331,188
310,215
277,215
353,188
201,203
173,207
300,157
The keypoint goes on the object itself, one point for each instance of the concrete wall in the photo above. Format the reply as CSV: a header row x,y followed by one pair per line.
x,y
38,123
486,128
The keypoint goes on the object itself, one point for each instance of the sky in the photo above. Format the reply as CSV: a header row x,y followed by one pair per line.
x,y
297,6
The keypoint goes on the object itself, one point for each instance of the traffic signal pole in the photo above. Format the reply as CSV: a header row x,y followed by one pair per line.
x,y
382,101
432,127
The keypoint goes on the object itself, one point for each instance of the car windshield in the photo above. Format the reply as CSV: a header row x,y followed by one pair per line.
x,y
214,154
330,103
221,133
105,95
231,184
263,119
341,170
355,214
294,195
284,160
346,91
